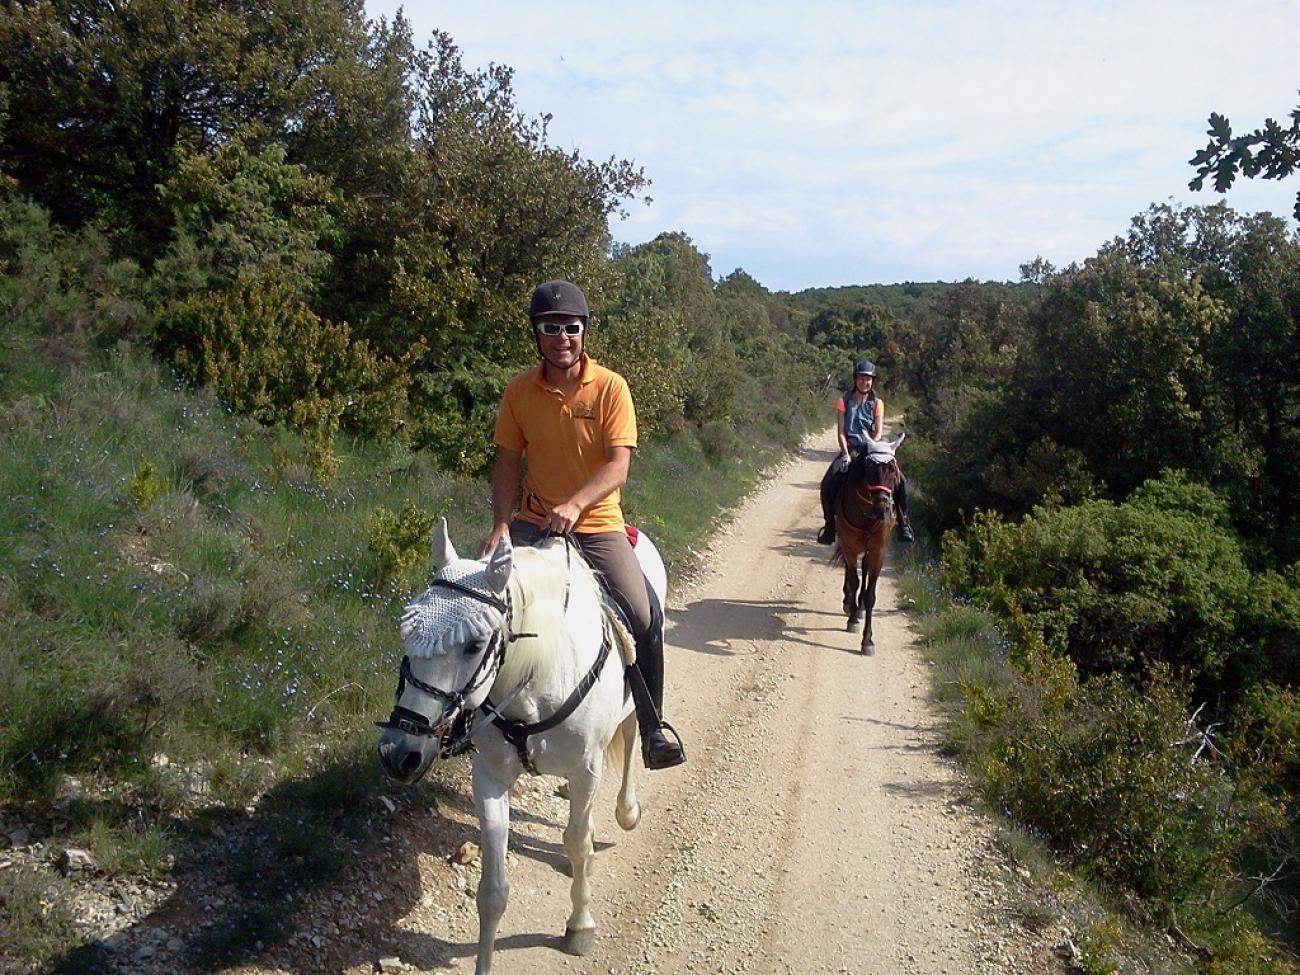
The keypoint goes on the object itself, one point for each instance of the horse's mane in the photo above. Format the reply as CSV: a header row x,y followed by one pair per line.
x,y
544,577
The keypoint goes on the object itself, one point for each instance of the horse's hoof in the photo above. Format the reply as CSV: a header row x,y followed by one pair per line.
x,y
579,943
853,626
868,649
628,818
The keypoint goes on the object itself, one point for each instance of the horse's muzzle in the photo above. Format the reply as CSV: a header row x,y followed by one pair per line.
x,y
406,757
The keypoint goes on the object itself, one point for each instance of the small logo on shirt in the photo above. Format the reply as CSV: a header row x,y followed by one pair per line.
x,y
584,411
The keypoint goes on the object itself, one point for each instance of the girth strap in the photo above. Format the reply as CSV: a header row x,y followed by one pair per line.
x,y
518,733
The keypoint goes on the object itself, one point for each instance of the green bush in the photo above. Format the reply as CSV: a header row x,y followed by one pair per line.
x,y
1116,587
269,356
146,486
56,284
245,211
1269,629
400,543
1116,782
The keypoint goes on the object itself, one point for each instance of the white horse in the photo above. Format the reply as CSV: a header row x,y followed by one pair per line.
x,y
518,654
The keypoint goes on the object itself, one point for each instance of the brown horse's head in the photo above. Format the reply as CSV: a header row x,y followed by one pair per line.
x,y
868,494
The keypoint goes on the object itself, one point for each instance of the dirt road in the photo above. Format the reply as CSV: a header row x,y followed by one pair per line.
x,y
814,829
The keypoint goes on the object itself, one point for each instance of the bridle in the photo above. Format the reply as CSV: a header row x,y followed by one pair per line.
x,y
880,495
453,729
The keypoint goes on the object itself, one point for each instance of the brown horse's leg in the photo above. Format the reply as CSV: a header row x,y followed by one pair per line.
x,y
869,604
873,563
851,590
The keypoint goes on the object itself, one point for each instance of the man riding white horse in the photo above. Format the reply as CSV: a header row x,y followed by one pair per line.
x,y
859,421
574,421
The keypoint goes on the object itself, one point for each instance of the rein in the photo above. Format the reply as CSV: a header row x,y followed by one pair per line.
x,y
518,733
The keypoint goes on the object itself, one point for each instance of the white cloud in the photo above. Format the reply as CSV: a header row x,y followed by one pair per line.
x,y
846,142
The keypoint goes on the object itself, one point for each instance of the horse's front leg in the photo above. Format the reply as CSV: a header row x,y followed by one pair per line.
x,y
627,809
851,592
868,606
580,929
492,804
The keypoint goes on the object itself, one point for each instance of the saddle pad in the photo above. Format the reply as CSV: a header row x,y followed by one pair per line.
x,y
622,635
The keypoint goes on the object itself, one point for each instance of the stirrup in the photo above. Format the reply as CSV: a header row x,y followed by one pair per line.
x,y
679,759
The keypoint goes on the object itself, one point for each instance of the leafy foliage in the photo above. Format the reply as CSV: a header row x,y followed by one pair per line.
x,y
1271,152
247,212
1114,587
105,101
400,543
269,356
1108,780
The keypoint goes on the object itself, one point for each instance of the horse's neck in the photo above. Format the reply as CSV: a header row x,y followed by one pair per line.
x,y
554,599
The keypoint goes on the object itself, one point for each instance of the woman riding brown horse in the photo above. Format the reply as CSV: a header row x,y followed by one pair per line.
x,y
864,518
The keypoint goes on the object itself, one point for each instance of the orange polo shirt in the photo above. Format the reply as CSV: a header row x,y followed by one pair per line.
x,y
564,440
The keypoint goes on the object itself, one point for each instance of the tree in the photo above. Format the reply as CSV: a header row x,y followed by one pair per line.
x,y
104,100
1271,152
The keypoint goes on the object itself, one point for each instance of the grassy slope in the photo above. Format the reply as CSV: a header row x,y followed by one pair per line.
x,y
176,585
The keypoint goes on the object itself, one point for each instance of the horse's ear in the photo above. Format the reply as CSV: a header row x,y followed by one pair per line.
x,y
499,564
444,552
899,442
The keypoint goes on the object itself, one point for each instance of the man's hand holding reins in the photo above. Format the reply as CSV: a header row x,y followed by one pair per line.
x,y
562,518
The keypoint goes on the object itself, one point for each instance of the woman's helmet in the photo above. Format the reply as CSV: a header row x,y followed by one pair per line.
x,y
864,368
558,297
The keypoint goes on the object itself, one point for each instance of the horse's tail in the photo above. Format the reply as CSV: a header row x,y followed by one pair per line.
x,y
837,555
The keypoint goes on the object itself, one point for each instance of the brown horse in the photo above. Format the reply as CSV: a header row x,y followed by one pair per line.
x,y
864,520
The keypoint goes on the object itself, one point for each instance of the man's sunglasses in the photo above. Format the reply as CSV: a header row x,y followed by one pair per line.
x,y
555,328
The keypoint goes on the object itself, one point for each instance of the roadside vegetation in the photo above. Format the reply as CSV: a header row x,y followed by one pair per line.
x,y
262,277
1109,459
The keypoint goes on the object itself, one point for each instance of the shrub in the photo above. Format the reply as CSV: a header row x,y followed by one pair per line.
x,y
1116,587
269,356
400,542
38,924
241,209
719,439
146,486
1117,785
53,283
1269,629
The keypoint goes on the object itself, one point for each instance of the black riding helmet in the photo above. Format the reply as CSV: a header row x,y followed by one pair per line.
x,y
558,298
864,368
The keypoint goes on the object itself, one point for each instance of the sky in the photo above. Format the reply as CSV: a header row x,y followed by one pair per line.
x,y
834,143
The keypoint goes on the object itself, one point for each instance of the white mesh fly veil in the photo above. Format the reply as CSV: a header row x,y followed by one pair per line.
x,y
882,451
443,618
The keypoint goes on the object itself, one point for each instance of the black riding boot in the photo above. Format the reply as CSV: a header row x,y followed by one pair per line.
x,y
829,488
900,506
646,678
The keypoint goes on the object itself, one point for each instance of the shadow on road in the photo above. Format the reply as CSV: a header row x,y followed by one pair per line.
x,y
715,626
